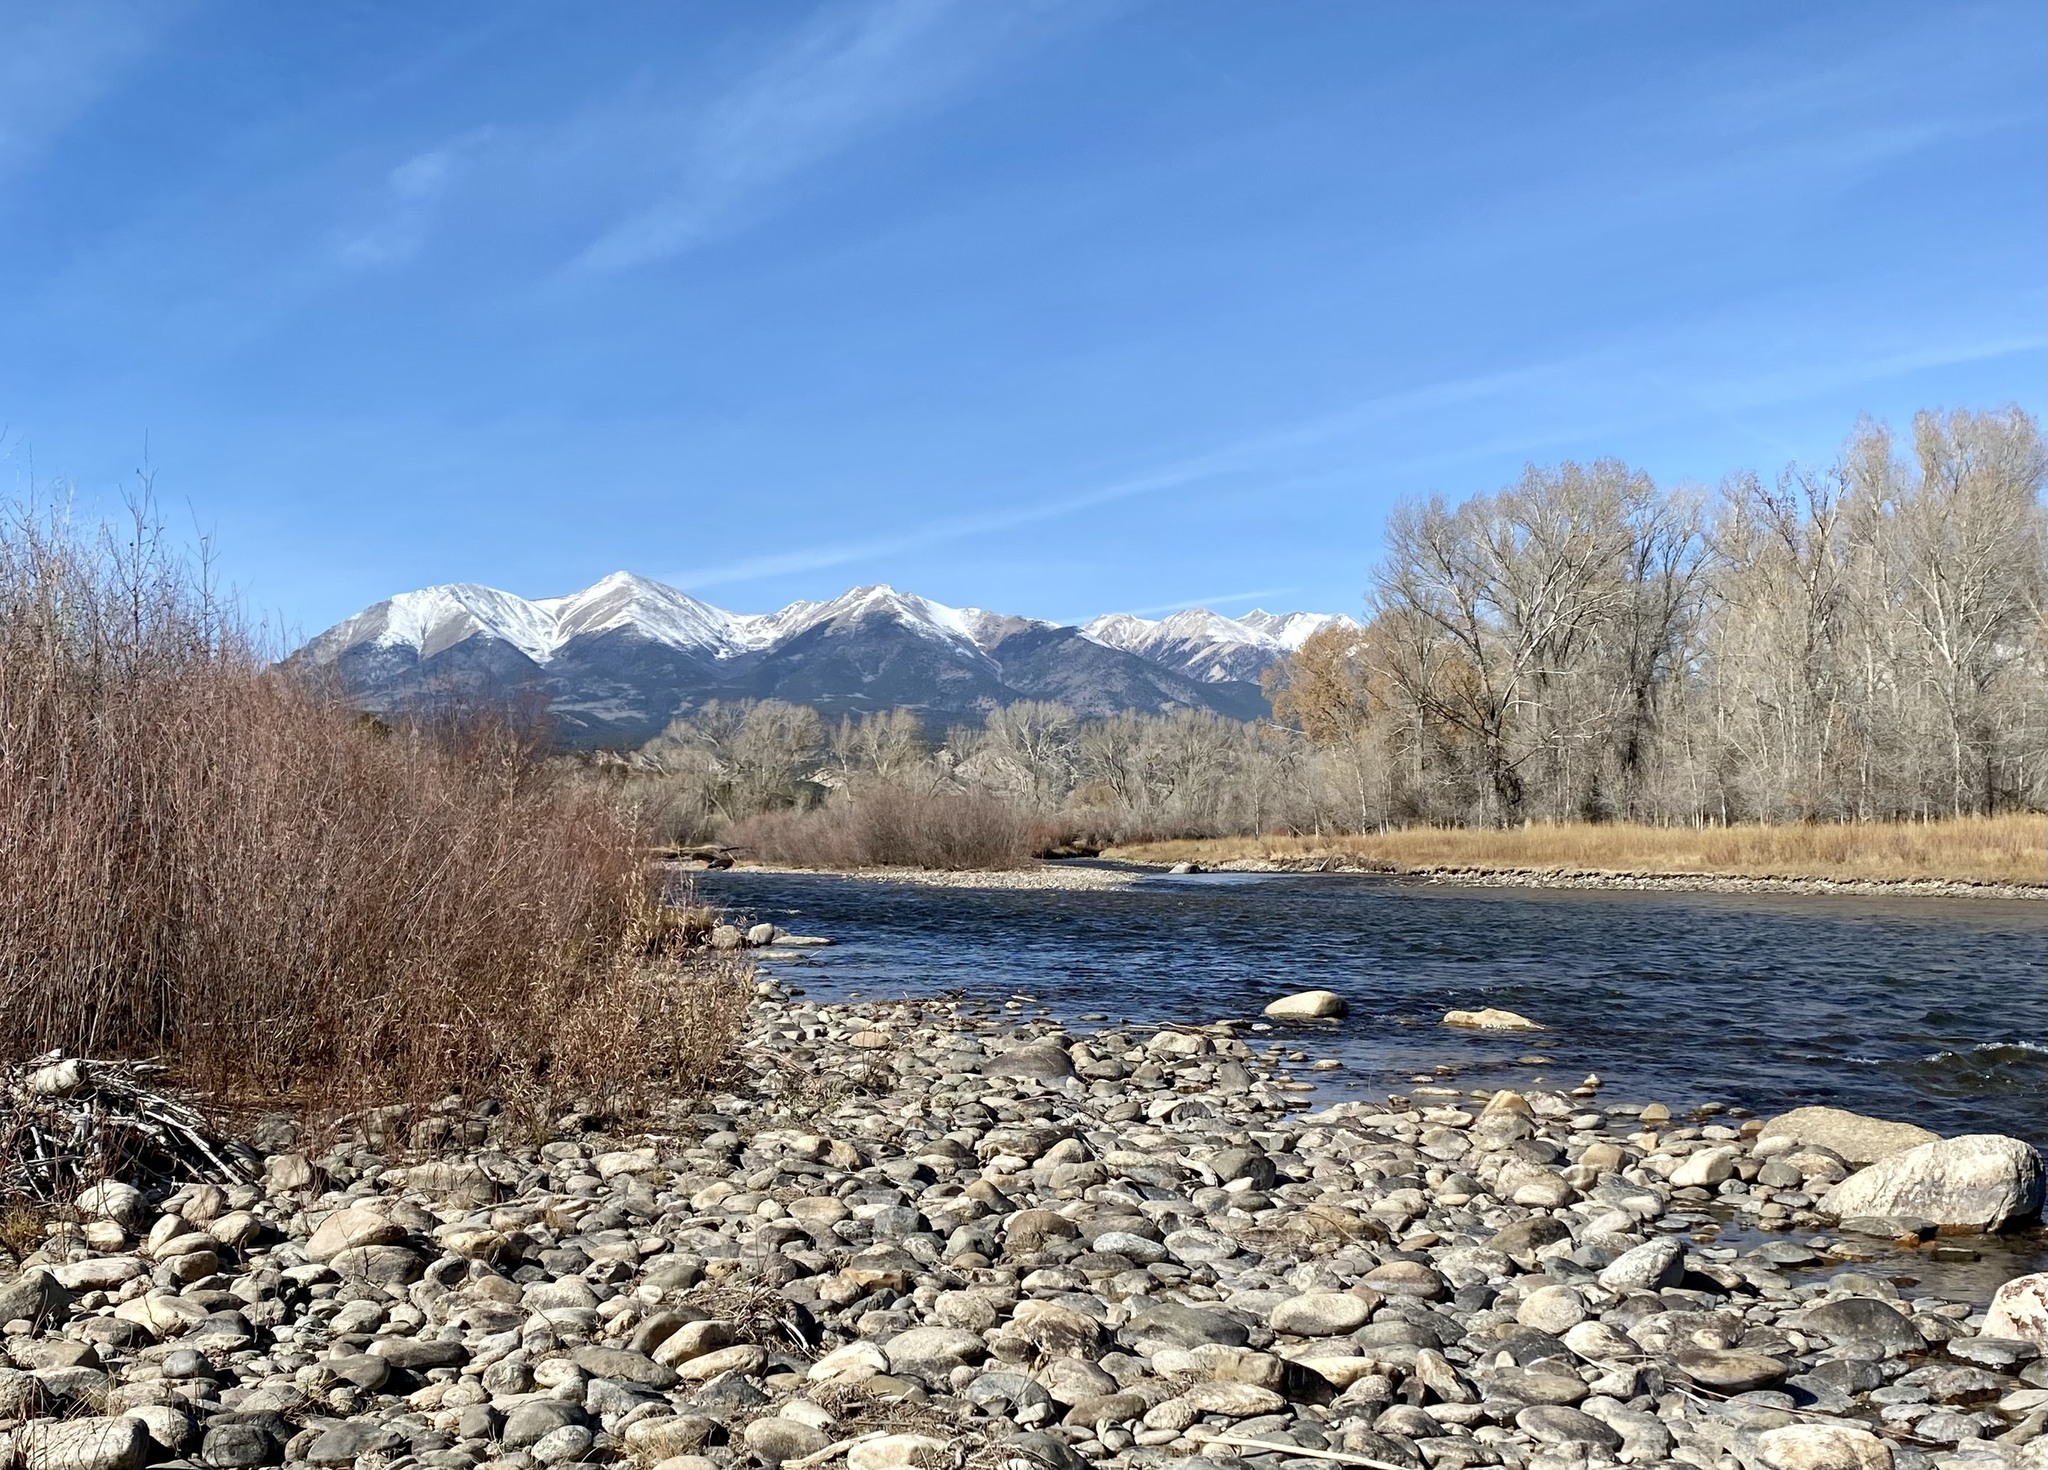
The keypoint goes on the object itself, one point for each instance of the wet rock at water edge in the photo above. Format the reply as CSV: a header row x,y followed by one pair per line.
x,y
1982,1181
1490,1018
1308,1005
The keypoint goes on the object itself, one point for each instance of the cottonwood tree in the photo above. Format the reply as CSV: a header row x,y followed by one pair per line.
x,y
733,759
1521,588
1027,751
885,747
1955,534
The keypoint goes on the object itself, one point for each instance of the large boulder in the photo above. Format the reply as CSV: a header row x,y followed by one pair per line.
x,y
2020,1311
1981,1181
1858,1139
1309,1005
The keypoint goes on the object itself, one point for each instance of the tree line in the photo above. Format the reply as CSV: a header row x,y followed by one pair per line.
x,y
1864,640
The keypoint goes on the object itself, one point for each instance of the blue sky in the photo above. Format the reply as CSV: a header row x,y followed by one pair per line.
x,y
1054,308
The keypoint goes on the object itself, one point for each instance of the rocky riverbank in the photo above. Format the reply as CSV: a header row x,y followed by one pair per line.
x,y
1486,877
933,1234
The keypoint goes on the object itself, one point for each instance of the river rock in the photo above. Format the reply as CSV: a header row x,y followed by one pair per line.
x,y
1552,1309
933,1351
36,1298
1860,1140
1864,1320
1706,1168
1320,1314
84,1444
1043,1063
1981,1181
775,1439
1831,1446
2019,1311
1645,1267
1490,1018
1308,1005
352,1229
122,1203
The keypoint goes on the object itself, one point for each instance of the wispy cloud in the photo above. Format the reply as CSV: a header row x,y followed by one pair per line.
x,y
1252,454
853,71
1608,378
58,61
411,200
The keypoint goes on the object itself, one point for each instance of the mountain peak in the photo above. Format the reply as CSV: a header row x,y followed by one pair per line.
x,y
1206,645
620,657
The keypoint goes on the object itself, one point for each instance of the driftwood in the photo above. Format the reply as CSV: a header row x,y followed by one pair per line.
x,y
67,1123
709,856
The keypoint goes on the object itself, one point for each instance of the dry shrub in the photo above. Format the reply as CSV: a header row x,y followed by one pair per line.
x,y
892,826
2011,848
207,859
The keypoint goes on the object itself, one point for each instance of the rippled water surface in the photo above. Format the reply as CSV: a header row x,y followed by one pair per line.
x,y
1931,1010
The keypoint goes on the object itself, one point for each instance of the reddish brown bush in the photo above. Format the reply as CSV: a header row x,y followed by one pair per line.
x,y
891,826
206,859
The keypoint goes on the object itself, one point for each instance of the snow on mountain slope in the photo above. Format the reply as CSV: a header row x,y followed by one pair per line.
x,y
1195,641
652,609
437,618
1291,630
1208,646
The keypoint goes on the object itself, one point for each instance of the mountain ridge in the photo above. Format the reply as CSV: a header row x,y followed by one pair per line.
x,y
616,660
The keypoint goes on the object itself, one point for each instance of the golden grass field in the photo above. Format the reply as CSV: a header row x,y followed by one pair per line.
x,y
2005,849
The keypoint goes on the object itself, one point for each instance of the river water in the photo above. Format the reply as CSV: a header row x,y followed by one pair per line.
x,y
1930,1010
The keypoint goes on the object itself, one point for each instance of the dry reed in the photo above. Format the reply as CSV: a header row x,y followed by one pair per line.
x,y
2011,849
206,859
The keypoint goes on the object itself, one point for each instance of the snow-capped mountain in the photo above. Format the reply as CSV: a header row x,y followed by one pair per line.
x,y
622,657
1209,647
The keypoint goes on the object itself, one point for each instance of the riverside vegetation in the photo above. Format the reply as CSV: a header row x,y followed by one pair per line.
x,y
211,862
1609,664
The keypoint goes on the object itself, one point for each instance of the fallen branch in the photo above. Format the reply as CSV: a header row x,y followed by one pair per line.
x,y
67,1123
1335,1457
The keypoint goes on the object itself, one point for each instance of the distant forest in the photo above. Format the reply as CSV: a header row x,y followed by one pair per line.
x,y
1864,640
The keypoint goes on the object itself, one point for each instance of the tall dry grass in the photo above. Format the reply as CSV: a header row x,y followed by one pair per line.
x,y
2002,849
892,826
205,858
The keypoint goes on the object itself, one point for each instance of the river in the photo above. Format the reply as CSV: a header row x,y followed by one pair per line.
x,y
1929,1010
